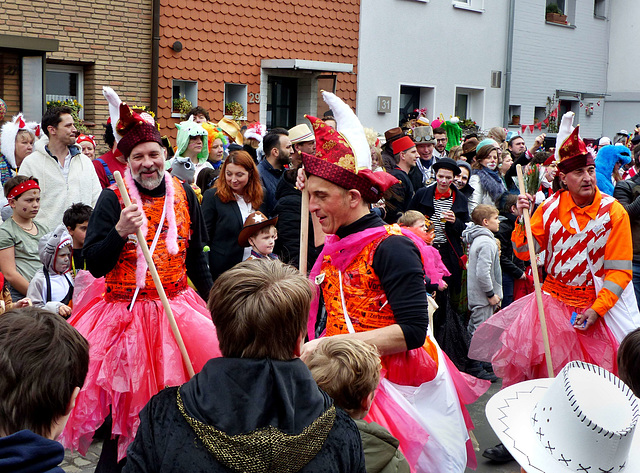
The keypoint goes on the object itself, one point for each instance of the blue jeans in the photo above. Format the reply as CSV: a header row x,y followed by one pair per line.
x,y
636,282
507,290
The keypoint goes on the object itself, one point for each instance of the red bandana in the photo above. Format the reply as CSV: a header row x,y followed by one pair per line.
x,y
22,188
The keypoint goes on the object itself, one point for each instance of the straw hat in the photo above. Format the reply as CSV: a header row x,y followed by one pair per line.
x,y
231,128
581,421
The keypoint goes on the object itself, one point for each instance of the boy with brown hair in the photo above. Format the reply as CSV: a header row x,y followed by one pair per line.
x,y
349,371
43,365
260,234
257,408
484,282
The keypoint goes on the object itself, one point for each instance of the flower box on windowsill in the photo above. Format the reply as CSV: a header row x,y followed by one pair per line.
x,y
556,18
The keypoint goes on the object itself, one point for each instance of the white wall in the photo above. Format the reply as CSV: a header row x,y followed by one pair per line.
x,y
547,57
431,44
622,110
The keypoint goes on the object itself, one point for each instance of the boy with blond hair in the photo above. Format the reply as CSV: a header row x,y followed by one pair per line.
x,y
484,282
349,371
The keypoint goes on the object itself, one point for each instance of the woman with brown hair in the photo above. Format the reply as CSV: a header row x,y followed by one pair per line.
x,y
236,194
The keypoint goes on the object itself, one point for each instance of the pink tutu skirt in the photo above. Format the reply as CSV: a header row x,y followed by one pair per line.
x,y
512,340
133,355
421,401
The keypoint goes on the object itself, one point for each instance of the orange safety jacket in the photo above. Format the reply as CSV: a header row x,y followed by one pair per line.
x,y
121,280
603,239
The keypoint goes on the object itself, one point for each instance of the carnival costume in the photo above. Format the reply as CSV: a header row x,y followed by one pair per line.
x,y
588,254
133,353
420,398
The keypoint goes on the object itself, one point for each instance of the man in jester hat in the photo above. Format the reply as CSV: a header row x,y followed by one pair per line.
x,y
133,353
371,277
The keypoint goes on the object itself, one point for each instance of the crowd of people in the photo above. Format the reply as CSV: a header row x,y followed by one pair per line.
x,y
419,290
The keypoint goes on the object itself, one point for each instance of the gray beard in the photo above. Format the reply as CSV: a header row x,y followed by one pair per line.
x,y
148,184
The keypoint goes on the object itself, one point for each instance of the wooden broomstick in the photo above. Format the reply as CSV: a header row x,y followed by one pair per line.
x,y
304,231
156,279
536,279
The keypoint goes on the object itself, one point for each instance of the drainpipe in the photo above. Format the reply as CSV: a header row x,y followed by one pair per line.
x,y
508,65
155,55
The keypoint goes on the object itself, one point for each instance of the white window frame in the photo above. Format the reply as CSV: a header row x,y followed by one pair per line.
x,y
469,5
70,69
188,88
238,93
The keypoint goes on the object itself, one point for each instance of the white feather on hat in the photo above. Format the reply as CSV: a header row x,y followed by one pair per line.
x,y
349,126
564,130
114,108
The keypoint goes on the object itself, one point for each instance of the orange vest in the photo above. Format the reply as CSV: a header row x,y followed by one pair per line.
x,y
364,300
368,309
121,280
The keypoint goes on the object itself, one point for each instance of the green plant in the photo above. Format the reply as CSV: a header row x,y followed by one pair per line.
x,y
554,8
182,105
75,107
234,109
468,124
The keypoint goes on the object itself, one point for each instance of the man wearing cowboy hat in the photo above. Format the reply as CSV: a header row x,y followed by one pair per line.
x,y
303,141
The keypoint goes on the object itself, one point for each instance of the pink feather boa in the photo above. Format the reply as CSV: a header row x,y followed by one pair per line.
x,y
172,231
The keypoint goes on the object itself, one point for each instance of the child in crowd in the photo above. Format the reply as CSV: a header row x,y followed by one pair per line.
x,y
52,286
484,284
260,234
629,361
19,235
512,267
423,227
348,370
43,365
76,219
5,298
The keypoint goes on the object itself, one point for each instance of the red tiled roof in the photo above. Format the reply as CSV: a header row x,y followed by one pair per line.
x,y
225,41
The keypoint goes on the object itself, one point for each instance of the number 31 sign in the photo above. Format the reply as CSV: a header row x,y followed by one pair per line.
x,y
384,104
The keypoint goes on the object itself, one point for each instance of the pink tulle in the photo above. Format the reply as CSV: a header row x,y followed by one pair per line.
x,y
133,355
172,229
512,340
86,288
388,413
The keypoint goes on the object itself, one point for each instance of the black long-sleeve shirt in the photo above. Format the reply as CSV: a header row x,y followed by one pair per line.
x,y
398,265
103,244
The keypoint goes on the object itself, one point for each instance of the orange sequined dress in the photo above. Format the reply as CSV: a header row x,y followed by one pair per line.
x,y
133,353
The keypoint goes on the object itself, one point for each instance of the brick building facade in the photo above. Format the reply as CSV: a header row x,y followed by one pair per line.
x,y
72,48
271,56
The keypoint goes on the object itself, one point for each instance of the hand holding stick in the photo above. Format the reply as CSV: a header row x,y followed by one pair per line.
x,y
156,279
536,279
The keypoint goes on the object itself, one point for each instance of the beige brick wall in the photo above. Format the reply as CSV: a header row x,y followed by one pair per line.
x,y
10,83
111,39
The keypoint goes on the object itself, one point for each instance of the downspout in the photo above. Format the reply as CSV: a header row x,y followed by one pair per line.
x,y
155,55
507,73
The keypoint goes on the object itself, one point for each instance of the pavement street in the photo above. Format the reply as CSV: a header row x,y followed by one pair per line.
x,y
75,463
486,437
